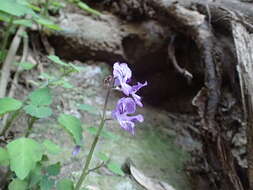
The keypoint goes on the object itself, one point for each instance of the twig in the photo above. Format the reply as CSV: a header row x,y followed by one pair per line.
x,y
5,73
97,167
15,79
171,54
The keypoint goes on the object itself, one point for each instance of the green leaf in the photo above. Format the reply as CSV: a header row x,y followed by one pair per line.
x,y
35,8
35,176
70,66
17,184
86,8
25,65
103,156
115,168
4,157
3,55
76,68
14,8
51,147
66,84
24,154
48,23
46,183
5,17
104,133
23,22
41,96
54,169
46,76
58,4
88,108
63,83
65,184
73,127
38,111
57,60
8,105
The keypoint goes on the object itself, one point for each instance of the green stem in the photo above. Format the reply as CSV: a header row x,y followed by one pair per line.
x,y
30,122
6,37
9,122
85,171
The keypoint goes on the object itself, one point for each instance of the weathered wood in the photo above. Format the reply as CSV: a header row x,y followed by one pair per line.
x,y
244,49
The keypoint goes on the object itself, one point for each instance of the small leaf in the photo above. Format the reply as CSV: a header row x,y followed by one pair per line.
x,y
35,175
86,8
3,55
73,126
17,184
58,4
63,83
66,84
115,168
23,22
77,68
57,60
46,183
35,8
48,23
54,169
24,154
88,108
41,96
65,184
46,76
4,157
103,157
8,105
51,147
14,8
5,17
38,111
25,65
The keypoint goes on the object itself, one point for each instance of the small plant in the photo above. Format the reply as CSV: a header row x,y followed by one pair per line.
x,y
27,159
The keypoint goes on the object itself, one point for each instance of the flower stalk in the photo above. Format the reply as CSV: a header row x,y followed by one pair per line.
x,y
85,171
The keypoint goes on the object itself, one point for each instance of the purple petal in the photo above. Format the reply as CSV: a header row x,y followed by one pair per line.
x,y
126,88
125,106
137,99
128,126
121,72
136,118
130,106
137,87
76,150
117,82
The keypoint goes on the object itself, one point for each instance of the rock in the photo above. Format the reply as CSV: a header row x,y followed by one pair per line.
x,y
82,38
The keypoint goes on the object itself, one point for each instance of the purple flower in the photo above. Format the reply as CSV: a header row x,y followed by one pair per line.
x,y
126,106
76,150
122,75
133,91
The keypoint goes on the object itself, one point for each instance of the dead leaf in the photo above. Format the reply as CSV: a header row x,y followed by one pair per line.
x,y
148,183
